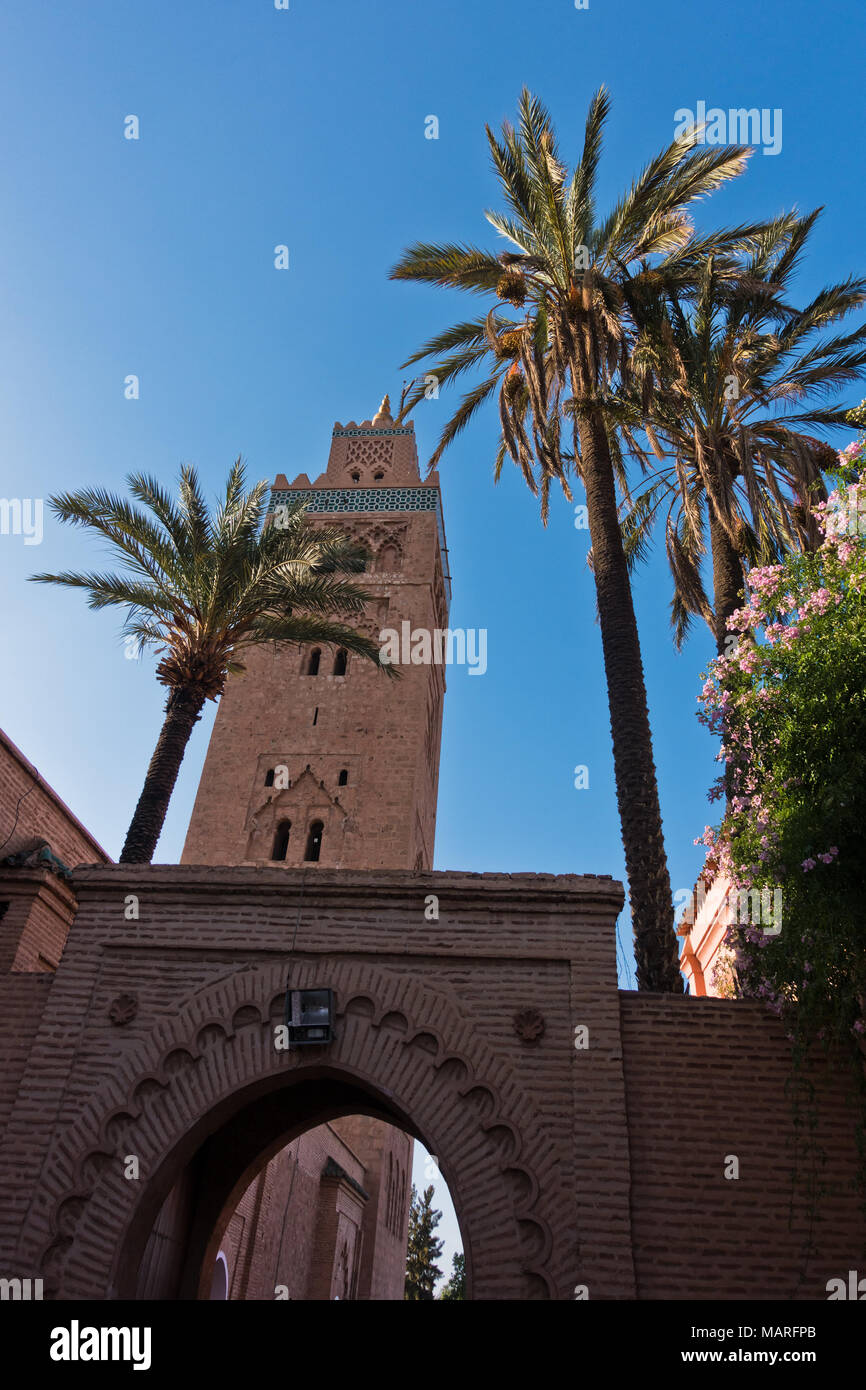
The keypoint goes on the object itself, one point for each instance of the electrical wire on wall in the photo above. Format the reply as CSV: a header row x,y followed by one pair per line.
x,y
31,788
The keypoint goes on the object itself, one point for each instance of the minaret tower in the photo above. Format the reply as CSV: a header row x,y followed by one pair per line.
x,y
315,756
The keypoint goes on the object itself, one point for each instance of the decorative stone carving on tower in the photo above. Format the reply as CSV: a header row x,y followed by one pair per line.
x,y
316,757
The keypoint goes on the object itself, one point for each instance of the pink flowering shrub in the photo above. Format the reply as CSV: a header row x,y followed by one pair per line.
x,y
788,701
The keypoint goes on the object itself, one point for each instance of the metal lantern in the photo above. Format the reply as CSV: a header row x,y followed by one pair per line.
x,y
310,1016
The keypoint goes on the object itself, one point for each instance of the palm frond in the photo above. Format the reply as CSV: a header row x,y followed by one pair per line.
x,y
455,266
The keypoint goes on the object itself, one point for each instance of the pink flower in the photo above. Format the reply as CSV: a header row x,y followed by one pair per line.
x,y
808,864
741,620
818,602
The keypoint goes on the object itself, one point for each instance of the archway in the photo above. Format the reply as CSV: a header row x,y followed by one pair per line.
x,y
183,1255
207,1081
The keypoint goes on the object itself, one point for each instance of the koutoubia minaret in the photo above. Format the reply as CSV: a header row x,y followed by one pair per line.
x,y
315,755
317,758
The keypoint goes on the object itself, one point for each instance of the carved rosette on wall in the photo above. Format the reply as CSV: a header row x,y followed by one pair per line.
x,y
529,1025
123,1009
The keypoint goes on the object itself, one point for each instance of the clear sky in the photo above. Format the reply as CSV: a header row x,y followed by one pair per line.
x,y
155,257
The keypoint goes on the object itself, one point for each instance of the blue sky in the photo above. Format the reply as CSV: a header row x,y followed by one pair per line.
x,y
155,257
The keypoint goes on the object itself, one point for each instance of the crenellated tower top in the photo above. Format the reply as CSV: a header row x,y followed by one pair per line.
x,y
374,453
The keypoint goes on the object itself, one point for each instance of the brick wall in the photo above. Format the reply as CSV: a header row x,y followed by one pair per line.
x,y
22,1000
278,1239
601,1166
426,1023
39,911
30,810
36,905
382,1272
705,1083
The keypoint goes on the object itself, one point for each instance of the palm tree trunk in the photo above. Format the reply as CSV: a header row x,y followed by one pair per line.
x,y
182,711
727,580
649,885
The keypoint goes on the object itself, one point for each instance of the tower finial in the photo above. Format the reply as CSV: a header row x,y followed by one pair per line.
x,y
383,414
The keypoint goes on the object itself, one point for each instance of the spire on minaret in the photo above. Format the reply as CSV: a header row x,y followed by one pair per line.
x,y
383,414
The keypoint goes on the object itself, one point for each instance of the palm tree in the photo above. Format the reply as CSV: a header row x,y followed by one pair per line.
x,y
201,589
578,280
734,379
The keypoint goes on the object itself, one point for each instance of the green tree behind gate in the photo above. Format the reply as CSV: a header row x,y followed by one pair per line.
x,y
424,1247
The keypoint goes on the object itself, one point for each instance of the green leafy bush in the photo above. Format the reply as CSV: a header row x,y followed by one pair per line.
x,y
789,701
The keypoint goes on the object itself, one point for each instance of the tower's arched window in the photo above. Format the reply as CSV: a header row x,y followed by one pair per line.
x,y
313,663
356,477
281,840
343,778
388,560
378,476
340,662
269,777
314,841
